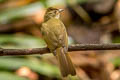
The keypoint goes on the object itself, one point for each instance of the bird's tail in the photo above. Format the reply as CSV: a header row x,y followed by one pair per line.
x,y
65,63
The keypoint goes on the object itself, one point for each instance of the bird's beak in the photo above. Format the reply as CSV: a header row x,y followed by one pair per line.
x,y
61,10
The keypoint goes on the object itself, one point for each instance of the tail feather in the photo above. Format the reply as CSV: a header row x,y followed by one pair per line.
x,y
65,63
71,66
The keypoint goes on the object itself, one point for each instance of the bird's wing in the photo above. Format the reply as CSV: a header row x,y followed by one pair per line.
x,y
54,33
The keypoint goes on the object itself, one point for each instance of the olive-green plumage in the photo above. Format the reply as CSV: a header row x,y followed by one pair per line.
x,y
55,35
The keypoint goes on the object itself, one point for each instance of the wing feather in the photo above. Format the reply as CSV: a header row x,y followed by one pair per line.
x,y
54,34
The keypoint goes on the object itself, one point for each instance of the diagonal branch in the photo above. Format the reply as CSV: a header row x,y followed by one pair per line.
x,y
75,47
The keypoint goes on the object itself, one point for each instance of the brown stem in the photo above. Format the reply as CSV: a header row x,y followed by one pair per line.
x,y
75,47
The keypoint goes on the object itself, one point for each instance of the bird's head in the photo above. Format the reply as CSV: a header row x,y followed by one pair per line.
x,y
52,13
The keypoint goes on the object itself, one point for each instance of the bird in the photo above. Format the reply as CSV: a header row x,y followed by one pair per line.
x,y
55,35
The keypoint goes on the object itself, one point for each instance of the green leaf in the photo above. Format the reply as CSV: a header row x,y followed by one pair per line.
x,y
10,76
23,11
116,61
36,65
24,41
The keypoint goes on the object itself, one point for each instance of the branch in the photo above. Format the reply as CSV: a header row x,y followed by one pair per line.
x,y
76,47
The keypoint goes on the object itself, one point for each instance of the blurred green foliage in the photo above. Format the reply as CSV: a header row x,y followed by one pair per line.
x,y
37,65
10,76
9,14
116,61
23,41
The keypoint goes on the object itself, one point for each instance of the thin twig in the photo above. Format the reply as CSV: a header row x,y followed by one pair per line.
x,y
76,47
